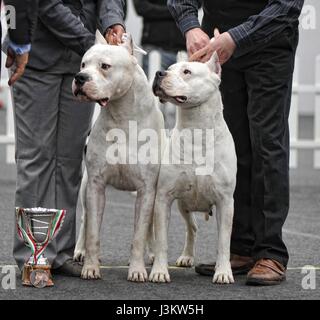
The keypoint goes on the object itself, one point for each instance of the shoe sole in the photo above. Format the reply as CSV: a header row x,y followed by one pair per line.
x,y
261,282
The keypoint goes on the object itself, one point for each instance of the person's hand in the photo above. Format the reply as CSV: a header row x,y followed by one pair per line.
x,y
196,40
20,62
114,34
222,43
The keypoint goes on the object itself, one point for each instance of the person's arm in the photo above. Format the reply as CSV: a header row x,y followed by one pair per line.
x,y
26,17
20,37
150,10
111,15
65,26
260,28
185,13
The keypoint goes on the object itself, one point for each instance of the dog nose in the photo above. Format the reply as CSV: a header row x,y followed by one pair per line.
x,y
161,74
81,78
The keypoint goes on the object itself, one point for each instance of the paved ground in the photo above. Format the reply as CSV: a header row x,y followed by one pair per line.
x,y
301,234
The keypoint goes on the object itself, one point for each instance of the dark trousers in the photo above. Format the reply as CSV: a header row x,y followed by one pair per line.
x,y
256,90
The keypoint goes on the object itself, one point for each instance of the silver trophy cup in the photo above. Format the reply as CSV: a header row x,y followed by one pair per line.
x,y
37,227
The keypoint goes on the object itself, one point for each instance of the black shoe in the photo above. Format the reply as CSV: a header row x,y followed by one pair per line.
x,y
239,265
69,269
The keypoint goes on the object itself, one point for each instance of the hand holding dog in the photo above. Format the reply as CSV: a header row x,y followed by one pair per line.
x,y
223,44
114,34
196,40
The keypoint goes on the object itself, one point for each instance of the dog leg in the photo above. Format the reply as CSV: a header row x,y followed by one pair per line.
x,y
159,272
187,257
95,201
143,218
150,244
80,250
223,272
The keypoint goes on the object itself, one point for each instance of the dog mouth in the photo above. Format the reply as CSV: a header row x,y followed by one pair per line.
x,y
79,92
163,96
180,99
103,102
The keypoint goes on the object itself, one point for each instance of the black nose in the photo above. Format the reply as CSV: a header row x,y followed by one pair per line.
x,y
161,74
81,78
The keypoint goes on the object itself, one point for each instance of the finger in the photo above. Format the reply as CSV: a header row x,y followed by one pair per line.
x,y
117,38
108,36
216,32
198,55
9,61
15,76
205,58
10,58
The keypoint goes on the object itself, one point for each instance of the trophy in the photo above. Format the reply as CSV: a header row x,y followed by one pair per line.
x,y
37,227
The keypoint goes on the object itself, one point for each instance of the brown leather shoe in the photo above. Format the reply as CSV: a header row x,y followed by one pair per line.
x,y
239,265
266,272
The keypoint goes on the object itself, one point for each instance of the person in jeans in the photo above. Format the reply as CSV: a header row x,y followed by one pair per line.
x,y
51,125
256,42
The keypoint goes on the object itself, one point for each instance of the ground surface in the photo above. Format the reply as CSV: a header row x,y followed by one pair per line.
x,y
301,235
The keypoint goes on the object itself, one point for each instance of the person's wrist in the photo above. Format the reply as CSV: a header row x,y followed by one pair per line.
x,y
192,30
230,40
19,49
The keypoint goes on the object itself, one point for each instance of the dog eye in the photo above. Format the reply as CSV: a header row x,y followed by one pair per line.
x,y
105,66
186,71
83,65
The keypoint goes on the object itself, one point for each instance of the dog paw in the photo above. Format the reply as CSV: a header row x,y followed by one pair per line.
x,y
137,274
91,272
159,275
185,261
79,255
223,275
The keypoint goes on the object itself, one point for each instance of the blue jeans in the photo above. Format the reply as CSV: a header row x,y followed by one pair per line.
x,y
167,58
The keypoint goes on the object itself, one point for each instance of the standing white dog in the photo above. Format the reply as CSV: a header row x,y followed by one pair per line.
x,y
111,76
194,88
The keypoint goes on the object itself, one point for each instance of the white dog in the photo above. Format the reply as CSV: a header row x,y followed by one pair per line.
x,y
111,76
194,88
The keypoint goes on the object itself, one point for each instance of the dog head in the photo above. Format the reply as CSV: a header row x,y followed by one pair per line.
x,y
106,71
188,84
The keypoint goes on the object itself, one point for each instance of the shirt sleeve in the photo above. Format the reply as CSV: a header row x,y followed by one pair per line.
x,y
111,13
185,13
26,14
271,21
19,48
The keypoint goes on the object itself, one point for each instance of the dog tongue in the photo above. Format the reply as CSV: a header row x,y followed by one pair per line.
x,y
103,102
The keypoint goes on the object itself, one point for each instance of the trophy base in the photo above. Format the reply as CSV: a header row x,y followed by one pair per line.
x,y
38,276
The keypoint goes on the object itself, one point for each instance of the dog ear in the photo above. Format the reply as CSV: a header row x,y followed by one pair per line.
x,y
129,44
214,64
100,38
